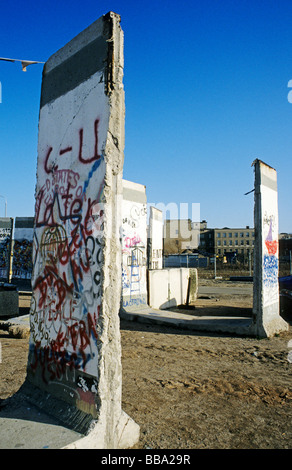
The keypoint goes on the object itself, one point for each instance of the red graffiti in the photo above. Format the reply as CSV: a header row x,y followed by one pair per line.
x,y
95,155
67,149
67,259
83,160
49,170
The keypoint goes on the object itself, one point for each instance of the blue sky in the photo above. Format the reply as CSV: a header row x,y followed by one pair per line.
x,y
206,89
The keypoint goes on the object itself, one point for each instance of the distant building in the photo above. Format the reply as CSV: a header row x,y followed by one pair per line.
x,y
181,235
221,241
285,245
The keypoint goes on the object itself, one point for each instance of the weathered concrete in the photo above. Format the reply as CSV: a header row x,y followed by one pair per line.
x,y
134,246
155,239
230,325
6,234
22,248
193,286
266,254
168,287
74,364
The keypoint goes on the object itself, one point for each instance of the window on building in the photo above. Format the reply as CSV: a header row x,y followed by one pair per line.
x,y
224,243
236,234
242,242
224,234
218,242
230,234
241,234
247,234
218,235
236,242
230,242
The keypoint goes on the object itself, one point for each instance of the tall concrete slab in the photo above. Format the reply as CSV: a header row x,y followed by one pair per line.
x,y
268,321
155,243
74,364
6,234
134,246
22,248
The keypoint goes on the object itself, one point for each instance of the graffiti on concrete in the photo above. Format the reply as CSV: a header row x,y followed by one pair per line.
x,y
5,247
134,243
67,258
270,259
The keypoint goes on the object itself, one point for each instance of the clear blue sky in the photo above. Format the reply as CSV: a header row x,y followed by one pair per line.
x,y
206,88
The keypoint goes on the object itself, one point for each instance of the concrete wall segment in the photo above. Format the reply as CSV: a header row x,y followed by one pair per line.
x,y
75,351
266,253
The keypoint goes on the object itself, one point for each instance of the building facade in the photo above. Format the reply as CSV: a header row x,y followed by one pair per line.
x,y
221,241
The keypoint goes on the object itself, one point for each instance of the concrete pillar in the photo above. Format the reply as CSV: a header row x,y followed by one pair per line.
x,y
134,246
266,255
22,248
193,286
155,238
6,234
74,363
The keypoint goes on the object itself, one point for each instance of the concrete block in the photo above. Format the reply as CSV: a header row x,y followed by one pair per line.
x,y
168,287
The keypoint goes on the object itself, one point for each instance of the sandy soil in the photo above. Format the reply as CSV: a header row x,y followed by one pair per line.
x,y
194,390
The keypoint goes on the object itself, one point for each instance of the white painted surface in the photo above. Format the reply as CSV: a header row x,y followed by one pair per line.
x,y
168,287
268,321
134,246
69,192
156,239
270,230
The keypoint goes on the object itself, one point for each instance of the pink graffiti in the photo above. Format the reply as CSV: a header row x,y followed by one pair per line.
x,y
132,241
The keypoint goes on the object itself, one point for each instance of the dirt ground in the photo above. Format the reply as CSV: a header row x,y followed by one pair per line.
x,y
191,390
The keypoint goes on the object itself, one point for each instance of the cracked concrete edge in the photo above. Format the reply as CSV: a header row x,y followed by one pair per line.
x,y
127,435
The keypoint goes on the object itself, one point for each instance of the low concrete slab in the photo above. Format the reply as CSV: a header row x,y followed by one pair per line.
x,y
232,325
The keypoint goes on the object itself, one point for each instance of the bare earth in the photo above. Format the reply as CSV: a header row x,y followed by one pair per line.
x,y
191,390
